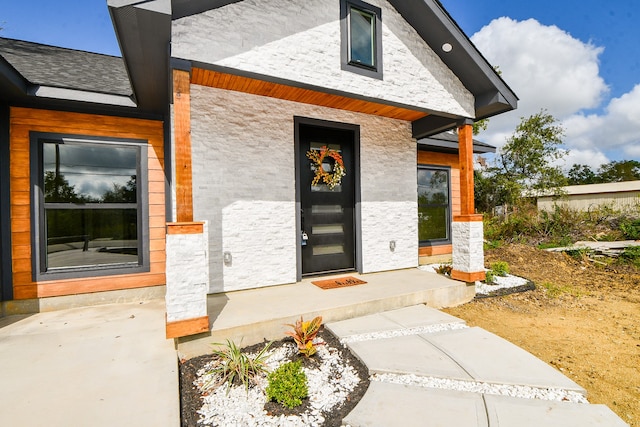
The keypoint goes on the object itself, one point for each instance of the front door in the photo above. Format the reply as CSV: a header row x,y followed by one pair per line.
x,y
327,214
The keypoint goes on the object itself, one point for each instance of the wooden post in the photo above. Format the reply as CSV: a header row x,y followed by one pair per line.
x,y
465,155
468,254
182,134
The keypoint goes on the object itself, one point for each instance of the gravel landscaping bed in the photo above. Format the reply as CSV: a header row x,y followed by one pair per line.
x,y
336,379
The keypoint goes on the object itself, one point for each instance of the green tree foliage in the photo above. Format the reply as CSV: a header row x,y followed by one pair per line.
x,y
616,171
525,165
582,174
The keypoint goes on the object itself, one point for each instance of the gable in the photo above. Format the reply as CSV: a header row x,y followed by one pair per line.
x,y
299,42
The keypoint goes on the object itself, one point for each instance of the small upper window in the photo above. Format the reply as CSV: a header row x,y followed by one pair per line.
x,y
361,38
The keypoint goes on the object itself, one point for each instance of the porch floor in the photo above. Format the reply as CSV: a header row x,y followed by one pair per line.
x,y
250,316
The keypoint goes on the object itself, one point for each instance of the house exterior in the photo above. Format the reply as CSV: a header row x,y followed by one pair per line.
x,y
623,196
213,144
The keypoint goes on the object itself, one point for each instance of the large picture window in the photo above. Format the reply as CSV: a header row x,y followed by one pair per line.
x,y
91,211
361,38
434,205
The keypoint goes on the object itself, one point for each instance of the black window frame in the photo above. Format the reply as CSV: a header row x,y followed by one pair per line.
x,y
40,272
437,242
345,43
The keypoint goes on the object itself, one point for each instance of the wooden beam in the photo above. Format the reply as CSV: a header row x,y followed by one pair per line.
x,y
465,155
296,94
182,132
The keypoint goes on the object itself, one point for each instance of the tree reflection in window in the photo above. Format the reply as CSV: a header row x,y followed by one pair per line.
x,y
90,204
433,205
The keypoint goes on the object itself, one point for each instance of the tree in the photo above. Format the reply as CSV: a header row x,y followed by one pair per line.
x,y
582,174
525,165
618,171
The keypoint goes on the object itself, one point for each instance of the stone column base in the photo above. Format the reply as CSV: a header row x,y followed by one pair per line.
x,y
468,250
187,273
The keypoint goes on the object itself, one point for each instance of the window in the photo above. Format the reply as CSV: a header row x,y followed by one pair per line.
x,y
361,38
434,206
90,212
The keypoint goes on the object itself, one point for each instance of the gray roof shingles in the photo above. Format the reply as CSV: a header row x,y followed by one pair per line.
x,y
66,68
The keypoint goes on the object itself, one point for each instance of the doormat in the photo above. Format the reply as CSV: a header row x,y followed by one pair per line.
x,y
340,282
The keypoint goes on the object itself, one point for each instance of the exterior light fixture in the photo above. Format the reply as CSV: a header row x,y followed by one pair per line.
x,y
447,47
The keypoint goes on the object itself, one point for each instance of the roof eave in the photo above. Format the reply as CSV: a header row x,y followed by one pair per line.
x,y
143,30
492,95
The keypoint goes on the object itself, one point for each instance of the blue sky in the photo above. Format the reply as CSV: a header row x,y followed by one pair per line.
x,y
578,60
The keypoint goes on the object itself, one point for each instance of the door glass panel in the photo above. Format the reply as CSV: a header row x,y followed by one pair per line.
x,y
328,229
327,209
328,249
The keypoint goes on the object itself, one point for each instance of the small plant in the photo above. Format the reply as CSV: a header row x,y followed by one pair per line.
x,y
303,334
554,291
631,254
288,385
500,268
631,229
490,276
444,269
232,365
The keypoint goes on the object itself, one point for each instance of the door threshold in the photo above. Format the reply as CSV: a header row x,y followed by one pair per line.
x,y
329,273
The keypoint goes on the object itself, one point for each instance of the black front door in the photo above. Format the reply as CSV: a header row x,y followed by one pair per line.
x,y
327,214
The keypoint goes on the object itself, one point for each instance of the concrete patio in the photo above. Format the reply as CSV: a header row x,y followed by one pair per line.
x,y
251,316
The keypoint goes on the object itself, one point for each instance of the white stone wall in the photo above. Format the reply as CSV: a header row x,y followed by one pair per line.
x,y
187,272
299,40
468,250
244,186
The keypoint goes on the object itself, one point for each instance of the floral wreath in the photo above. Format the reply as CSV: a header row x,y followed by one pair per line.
x,y
332,178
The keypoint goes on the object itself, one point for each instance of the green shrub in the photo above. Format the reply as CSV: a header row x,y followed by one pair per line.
x,y
231,365
500,268
288,385
630,229
631,254
489,276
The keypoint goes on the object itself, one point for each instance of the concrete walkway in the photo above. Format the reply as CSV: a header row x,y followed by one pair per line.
x,y
106,365
430,369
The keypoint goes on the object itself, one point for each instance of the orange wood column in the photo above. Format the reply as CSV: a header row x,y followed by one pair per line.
x,y
465,154
182,135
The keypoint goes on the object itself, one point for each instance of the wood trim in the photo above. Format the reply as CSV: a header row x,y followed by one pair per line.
x,y
182,137
24,120
435,250
465,153
183,328
185,227
306,96
468,218
468,277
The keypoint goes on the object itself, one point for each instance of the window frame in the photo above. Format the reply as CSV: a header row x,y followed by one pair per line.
x,y
39,254
437,242
345,45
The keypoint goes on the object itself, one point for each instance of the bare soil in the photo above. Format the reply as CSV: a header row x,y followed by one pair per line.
x,y
583,318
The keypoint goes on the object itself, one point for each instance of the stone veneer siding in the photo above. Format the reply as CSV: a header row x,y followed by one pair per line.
x,y
468,250
244,186
299,41
187,276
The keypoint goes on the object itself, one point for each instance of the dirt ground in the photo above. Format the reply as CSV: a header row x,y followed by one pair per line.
x,y
583,319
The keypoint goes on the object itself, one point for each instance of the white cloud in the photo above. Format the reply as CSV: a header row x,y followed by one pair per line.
x,y
545,66
549,69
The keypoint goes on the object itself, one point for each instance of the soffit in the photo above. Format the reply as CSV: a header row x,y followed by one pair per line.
x,y
255,86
